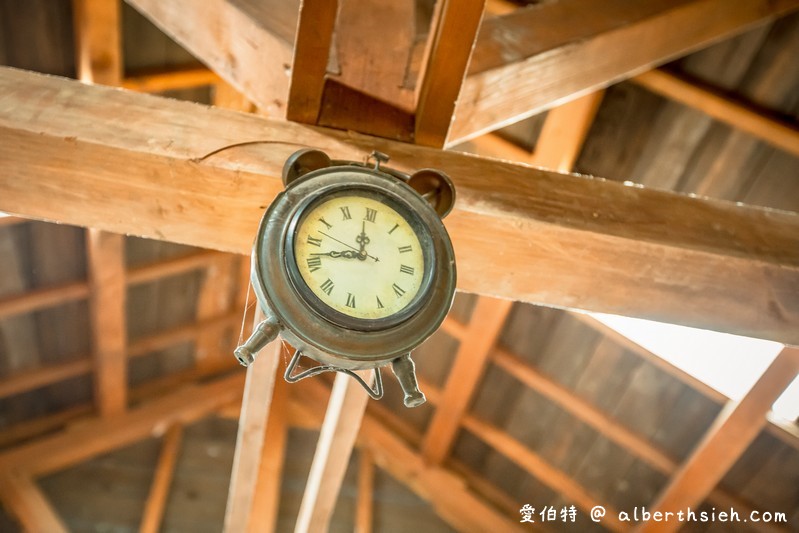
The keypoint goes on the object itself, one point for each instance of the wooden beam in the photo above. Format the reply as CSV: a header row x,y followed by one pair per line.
x,y
345,410
451,40
724,108
249,45
108,294
445,491
266,500
154,508
550,476
364,506
159,80
565,130
735,428
658,255
533,59
250,438
100,435
26,502
471,358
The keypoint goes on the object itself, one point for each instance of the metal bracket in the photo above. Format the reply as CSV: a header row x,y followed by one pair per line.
x,y
375,393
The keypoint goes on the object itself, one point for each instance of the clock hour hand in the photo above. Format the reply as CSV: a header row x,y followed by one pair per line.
x,y
348,245
347,254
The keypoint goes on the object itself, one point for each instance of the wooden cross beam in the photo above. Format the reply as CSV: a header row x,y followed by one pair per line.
x,y
170,170
523,62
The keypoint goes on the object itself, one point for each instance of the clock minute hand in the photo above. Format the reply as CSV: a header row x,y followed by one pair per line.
x,y
347,245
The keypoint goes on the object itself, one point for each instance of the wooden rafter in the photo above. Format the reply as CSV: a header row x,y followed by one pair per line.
x,y
156,81
565,130
471,358
28,504
657,254
100,435
155,505
560,50
722,107
735,428
215,298
445,491
343,416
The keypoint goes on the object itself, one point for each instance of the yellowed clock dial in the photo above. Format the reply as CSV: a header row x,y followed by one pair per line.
x,y
359,256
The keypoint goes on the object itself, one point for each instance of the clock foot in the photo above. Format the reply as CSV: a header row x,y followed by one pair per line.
x,y
264,333
405,371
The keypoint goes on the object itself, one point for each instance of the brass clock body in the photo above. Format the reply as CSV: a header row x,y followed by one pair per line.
x,y
353,267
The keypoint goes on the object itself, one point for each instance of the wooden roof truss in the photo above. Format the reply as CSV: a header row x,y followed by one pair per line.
x,y
464,82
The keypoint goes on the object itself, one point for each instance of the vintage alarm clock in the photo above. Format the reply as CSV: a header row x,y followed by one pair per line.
x,y
353,267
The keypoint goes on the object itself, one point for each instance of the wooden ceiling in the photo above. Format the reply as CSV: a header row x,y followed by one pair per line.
x,y
116,351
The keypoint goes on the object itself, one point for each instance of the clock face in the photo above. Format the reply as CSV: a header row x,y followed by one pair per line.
x,y
360,256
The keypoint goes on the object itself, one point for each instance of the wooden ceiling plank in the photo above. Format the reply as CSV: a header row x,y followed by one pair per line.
x,y
718,265
471,358
585,411
451,40
550,476
154,507
565,130
169,79
253,420
268,489
364,506
445,491
249,45
723,108
309,66
735,428
23,499
343,416
107,297
530,60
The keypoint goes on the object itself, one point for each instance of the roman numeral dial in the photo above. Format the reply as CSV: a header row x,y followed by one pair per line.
x,y
359,256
